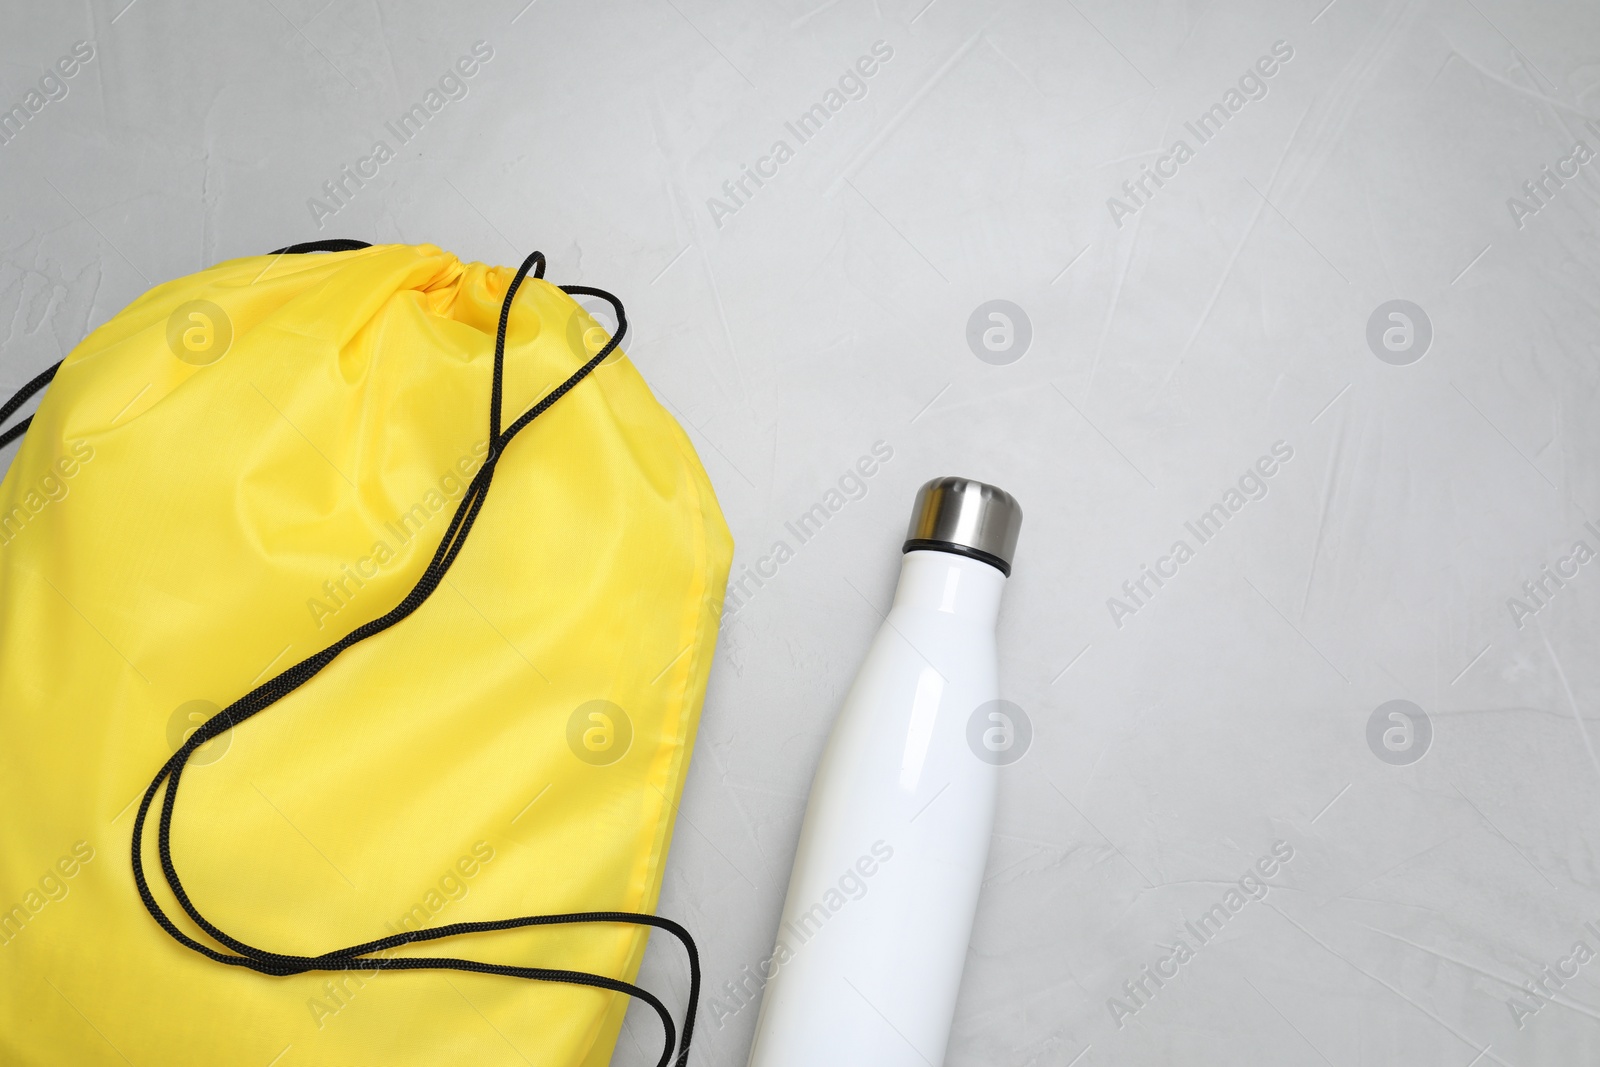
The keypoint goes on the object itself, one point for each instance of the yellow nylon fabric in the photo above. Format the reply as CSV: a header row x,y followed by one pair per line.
x,y
174,532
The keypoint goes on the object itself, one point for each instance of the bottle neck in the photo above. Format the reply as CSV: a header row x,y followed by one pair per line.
x,y
965,588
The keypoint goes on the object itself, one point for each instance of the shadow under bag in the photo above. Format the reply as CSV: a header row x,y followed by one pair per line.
x,y
356,611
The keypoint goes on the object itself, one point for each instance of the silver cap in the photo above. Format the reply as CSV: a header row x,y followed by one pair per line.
x,y
967,517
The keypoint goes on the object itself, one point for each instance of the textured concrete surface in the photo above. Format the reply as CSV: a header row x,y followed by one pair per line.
x,y
1164,335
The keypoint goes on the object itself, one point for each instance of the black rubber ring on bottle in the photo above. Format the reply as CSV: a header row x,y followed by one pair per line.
x,y
923,543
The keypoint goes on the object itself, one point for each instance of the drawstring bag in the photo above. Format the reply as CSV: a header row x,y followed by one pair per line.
x,y
356,611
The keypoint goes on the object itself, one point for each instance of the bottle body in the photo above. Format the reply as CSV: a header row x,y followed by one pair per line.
x,y
891,858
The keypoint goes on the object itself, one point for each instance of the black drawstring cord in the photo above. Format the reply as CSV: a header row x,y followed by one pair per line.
x,y
357,957
9,408
333,244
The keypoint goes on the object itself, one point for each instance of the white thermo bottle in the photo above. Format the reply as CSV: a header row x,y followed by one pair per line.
x,y
869,953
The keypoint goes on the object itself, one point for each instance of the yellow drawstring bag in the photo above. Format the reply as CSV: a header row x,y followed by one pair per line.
x,y
234,555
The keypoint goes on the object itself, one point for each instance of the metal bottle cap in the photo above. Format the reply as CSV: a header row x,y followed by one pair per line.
x,y
967,517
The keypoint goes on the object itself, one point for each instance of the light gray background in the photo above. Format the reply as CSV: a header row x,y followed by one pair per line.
x,y
1168,353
